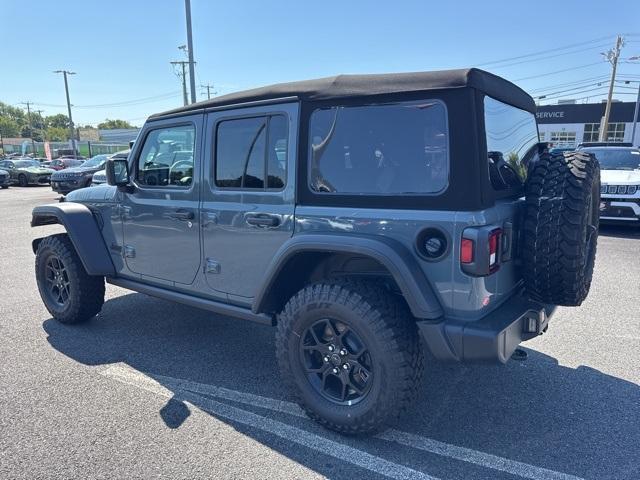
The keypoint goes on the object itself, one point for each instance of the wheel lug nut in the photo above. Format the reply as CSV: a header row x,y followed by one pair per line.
x,y
331,348
345,366
326,359
343,352
335,370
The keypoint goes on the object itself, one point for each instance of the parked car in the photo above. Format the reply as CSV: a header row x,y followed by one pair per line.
x,y
100,177
5,179
357,213
73,178
27,172
62,163
620,188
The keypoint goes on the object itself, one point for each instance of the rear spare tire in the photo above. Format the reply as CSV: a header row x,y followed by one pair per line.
x,y
560,229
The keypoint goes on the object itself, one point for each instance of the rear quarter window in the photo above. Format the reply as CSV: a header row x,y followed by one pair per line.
x,y
387,149
511,135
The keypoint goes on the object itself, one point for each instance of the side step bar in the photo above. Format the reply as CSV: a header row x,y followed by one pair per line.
x,y
197,302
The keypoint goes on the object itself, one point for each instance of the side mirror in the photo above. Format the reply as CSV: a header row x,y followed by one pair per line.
x,y
117,170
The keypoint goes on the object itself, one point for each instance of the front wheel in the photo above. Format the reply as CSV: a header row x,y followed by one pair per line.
x,y
70,294
351,354
23,181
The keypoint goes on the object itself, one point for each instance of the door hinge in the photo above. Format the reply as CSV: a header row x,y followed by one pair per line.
x,y
211,266
125,212
128,252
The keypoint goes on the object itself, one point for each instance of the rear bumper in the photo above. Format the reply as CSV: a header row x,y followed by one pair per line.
x,y
490,339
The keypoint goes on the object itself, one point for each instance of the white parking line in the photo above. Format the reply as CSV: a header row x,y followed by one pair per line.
x,y
310,440
473,456
185,388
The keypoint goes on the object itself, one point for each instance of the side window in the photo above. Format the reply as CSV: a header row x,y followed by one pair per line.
x,y
251,153
166,159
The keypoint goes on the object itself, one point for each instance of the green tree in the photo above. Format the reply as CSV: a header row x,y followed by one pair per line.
x,y
113,124
57,121
13,113
56,134
9,127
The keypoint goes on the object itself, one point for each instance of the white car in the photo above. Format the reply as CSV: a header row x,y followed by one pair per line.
x,y
619,183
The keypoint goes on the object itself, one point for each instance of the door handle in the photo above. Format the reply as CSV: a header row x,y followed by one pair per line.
x,y
263,220
182,215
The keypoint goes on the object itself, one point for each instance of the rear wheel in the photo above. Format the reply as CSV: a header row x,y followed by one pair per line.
x,y
561,227
351,354
22,180
70,294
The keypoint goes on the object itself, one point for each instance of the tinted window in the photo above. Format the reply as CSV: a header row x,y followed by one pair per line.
x,y
380,149
512,134
167,157
250,150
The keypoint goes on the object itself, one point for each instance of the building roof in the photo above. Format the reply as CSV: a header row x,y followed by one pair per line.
x,y
346,86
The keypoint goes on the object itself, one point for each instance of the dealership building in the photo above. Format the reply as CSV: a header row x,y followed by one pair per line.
x,y
569,124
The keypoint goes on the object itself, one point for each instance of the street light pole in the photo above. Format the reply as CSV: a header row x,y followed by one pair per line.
x,y
66,89
192,77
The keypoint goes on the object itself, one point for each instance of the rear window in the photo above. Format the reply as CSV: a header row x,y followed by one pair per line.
x,y
390,149
512,134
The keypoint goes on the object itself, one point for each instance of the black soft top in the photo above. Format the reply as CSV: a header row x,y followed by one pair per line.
x,y
346,86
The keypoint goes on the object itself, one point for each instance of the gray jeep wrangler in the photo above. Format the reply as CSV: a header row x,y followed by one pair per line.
x,y
360,214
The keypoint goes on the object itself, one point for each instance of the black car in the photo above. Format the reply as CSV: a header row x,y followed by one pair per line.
x,y
70,179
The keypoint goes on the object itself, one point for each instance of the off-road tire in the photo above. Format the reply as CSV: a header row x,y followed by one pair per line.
x,y
4,187
389,332
86,292
560,229
22,180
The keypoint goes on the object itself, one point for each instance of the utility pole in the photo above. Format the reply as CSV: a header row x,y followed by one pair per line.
x,y
71,129
33,143
612,57
208,86
184,79
192,75
635,115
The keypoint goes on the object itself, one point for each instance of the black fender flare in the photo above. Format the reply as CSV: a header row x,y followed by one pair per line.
x,y
390,253
83,231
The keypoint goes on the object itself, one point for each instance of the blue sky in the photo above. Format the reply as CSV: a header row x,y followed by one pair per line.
x,y
121,49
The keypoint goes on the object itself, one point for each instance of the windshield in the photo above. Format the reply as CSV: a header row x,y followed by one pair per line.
x,y
95,161
26,163
614,159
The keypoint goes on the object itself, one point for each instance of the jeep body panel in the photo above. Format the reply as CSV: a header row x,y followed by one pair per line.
x,y
160,242
242,229
388,252
83,230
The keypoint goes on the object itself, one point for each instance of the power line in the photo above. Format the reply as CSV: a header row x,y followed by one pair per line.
x,y
557,71
568,84
550,56
542,52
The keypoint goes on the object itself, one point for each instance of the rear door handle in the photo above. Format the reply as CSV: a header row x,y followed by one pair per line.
x,y
263,220
182,215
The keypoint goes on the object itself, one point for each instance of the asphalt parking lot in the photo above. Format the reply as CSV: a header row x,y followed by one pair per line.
x,y
154,389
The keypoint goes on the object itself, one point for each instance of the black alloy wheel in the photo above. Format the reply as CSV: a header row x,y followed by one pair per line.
x,y
337,362
57,279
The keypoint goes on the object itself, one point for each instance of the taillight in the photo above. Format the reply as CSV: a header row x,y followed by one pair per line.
x,y
480,250
466,251
494,242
